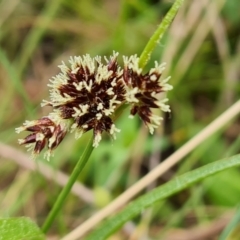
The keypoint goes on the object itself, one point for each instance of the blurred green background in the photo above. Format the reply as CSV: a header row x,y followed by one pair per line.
x,y
202,51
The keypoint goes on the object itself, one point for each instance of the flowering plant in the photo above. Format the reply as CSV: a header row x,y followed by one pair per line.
x,y
85,96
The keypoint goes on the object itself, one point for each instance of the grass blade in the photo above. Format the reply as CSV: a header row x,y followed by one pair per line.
x,y
160,193
156,37
229,231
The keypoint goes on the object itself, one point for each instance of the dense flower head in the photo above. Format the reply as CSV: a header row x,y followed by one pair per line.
x,y
143,91
85,95
48,131
88,92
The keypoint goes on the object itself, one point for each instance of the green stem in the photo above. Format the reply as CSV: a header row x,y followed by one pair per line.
x,y
154,40
65,191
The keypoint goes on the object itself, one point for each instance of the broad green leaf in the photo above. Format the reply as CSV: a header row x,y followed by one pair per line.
x,y
19,228
160,193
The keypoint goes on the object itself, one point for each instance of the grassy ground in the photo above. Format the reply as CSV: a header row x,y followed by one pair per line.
x,y
202,51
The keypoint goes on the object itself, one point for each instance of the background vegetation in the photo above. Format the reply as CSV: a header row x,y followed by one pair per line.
x,y
202,51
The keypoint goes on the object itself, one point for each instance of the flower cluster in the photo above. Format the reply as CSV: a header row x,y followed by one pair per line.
x,y
85,95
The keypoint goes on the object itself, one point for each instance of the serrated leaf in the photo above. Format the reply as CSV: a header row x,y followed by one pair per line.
x,y
21,228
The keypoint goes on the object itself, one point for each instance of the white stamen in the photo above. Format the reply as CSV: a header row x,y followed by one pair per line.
x,y
113,83
100,106
45,103
132,63
163,106
164,85
21,141
80,112
39,137
97,139
26,125
30,147
84,108
130,95
63,68
155,122
112,105
20,129
153,77
88,86
75,70
108,111
110,91
78,133
114,130
99,116
48,154
51,141
78,86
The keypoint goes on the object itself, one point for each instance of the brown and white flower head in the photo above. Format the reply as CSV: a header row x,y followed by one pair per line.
x,y
85,95
88,92
143,91
47,132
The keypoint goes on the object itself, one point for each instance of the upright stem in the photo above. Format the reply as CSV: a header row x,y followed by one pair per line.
x,y
65,191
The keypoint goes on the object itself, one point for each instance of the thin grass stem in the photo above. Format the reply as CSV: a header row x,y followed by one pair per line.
x,y
67,188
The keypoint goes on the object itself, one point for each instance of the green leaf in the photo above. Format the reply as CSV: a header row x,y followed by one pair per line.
x,y
160,193
19,228
234,234
158,34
